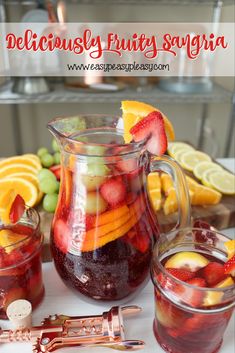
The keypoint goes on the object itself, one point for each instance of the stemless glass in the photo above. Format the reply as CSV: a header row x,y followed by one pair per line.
x,y
179,326
20,262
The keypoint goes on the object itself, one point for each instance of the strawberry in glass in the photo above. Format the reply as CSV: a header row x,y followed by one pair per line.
x,y
194,289
20,253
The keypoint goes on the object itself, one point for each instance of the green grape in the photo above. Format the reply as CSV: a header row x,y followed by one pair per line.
x,y
42,151
57,158
46,173
95,203
58,186
48,185
47,160
96,167
50,202
55,146
95,150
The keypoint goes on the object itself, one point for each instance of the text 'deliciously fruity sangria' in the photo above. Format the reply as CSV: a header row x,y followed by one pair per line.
x,y
20,250
194,290
103,229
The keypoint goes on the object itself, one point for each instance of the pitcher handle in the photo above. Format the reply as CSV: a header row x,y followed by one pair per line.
x,y
170,166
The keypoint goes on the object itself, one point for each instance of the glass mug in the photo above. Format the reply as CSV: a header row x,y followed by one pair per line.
x,y
20,262
104,228
181,325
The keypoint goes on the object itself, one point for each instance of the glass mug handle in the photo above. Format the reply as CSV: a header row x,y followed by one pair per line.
x,y
169,166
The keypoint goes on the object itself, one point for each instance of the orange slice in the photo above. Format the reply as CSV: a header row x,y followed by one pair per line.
x,y
154,190
7,238
134,111
22,187
170,204
29,161
6,201
205,196
10,169
155,198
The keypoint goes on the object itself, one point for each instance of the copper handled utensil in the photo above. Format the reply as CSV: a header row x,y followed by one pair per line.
x,y
59,331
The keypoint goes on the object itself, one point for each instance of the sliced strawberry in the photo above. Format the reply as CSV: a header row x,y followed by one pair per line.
x,y
213,273
56,170
140,242
193,296
229,267
181,274
113,191
152,128
90,221
17,209
127,165
62,236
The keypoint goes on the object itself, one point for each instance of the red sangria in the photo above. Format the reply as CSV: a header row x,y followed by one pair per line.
x,y
194,290
104,228
20,261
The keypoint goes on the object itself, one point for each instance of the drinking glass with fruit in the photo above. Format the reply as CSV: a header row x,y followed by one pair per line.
x,y
104,228
20,250
193,272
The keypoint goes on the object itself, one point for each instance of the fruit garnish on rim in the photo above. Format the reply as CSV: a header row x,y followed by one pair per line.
x,y
143,121
12,207
151,128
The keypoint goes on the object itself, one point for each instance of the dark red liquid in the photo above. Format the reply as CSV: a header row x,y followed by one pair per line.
x,y
181,331
20,271
111,271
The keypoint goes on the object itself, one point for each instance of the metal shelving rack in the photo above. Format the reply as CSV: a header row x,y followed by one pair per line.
x,y
60,95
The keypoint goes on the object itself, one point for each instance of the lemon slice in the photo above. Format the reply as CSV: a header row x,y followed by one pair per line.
x,y
205,177
201,167
223,182
174,147
190,159
213,297
189,260
179,155
230,247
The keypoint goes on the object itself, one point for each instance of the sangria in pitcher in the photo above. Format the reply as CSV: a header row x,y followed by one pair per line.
x,y
104,228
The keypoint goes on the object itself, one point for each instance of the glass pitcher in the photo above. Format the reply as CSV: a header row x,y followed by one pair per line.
x,y
104,229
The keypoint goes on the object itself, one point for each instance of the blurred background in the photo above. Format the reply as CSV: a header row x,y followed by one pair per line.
x,y
202,111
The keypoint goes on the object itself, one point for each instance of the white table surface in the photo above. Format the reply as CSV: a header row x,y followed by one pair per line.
x,y
58,299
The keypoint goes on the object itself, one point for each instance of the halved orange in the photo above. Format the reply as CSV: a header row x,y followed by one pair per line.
x,y
134,111
23,187
10,169
205,196
26,160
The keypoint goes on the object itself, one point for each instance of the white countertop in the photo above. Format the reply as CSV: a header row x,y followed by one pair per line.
x,y
60,300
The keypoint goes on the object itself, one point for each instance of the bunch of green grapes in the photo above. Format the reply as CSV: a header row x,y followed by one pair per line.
x,y
47,159
47,180
50,187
